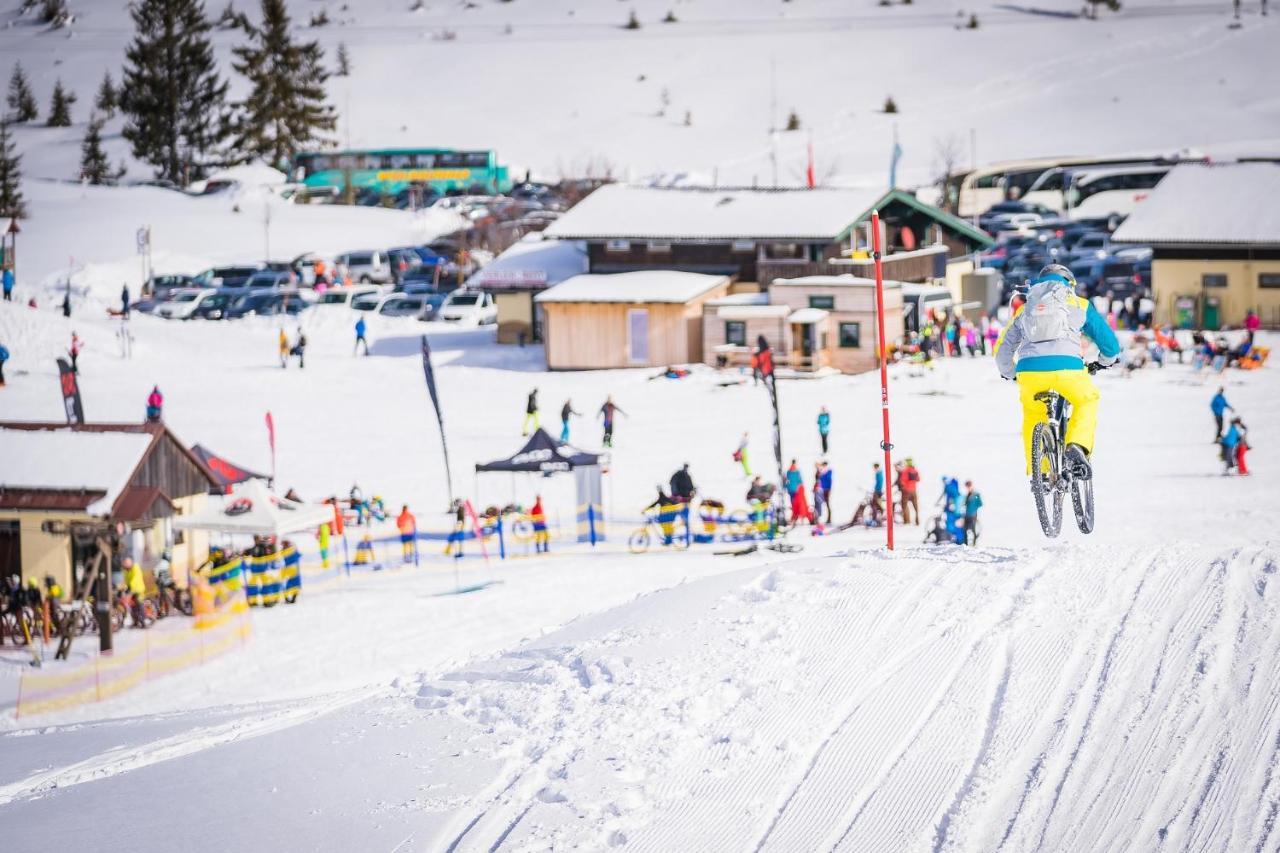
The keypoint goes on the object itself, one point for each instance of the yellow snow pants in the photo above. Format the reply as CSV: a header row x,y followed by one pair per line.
x,y
1077,387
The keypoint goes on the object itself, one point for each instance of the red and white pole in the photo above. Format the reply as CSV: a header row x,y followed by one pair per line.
x,y
884,375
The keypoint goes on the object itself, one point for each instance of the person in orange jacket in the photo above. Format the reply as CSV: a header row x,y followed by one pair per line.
x,y
408,527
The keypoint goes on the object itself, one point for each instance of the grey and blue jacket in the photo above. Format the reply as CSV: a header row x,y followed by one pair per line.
x,y
1017,352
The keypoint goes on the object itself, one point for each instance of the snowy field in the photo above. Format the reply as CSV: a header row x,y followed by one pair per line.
x,y
1116,691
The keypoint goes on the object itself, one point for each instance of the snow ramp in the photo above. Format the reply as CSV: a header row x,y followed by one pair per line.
x,y
1061,698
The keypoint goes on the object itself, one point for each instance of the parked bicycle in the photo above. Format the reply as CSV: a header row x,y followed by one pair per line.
x,y
674,533
1055,472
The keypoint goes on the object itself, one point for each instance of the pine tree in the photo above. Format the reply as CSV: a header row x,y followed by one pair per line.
x,y
173,100
95,168
286,109
21,100
793,121
108,98
60,106
11,203
344,61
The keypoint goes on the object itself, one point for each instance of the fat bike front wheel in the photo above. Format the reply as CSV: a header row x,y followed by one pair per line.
x,y
1046,475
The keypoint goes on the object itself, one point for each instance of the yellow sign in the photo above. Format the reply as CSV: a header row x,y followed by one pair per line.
x,y
424,175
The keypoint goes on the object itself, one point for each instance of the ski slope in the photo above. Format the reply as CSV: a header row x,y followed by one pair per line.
x,y
1060,698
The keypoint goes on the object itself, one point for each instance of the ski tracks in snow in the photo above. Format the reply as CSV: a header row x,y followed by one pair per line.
x,y
933,700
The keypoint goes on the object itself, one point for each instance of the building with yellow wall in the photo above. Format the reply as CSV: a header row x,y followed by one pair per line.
x,y
1214,230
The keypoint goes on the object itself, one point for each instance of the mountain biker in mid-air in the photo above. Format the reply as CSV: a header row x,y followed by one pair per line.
x,y
1042,348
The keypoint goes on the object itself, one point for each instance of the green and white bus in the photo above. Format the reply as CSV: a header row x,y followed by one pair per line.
x,y
391,170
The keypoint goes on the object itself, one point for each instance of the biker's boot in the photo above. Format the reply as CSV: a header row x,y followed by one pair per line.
x,y
1077,462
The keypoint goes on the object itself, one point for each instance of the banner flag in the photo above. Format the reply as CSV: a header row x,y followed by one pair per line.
x,y
430,374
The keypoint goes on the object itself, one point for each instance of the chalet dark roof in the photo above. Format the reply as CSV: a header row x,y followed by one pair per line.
x,y
950,222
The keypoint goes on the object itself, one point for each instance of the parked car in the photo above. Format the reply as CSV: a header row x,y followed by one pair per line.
x,y
266,304
234,276
162,285
999,213
270,279
390,304
431,303
1093,245
371,267
304,267
182,304
468,308
215,305
402,305
343,296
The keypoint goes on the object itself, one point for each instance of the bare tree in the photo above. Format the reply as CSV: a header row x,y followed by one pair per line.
x,y
947,152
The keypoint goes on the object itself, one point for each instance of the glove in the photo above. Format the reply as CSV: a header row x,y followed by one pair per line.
x,y
1095,366
1007,376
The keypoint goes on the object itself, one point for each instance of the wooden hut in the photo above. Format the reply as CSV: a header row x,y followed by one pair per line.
x,y
635,319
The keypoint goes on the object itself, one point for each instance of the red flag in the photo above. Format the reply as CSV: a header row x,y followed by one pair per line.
x,y
271,440
808,172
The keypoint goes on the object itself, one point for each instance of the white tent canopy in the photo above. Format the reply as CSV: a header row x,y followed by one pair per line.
x,y
260,513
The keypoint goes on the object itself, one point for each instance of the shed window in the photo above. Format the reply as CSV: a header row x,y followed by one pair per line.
x,y
659,246
618,246
735,333
1213,279
1269,279
850,335
826,303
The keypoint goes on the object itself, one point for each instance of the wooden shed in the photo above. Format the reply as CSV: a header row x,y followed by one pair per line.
x,y
634,319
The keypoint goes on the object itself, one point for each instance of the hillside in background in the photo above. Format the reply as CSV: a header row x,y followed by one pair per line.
x,y
561,87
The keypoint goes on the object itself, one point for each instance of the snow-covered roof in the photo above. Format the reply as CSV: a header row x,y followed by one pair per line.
x,y
623,211
635,287
71,459
759,298
1197,204
831,281
532,263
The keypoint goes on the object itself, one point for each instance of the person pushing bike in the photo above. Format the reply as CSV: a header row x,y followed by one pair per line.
x,y
1042,350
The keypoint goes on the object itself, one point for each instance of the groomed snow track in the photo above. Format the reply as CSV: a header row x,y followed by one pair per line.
x,y
1063,698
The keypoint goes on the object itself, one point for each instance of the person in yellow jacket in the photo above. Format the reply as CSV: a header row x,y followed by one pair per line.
x,y
284,349
1042,349
137,587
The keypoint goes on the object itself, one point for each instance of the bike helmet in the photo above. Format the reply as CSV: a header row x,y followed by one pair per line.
x,y
1057,272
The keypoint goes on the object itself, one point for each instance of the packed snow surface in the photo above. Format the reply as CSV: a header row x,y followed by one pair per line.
x,y
1116,691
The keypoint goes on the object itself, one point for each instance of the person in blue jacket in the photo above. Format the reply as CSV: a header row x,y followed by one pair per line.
x,y
972,503
1219,405
4,356
824,427
824,480
360,338
794,479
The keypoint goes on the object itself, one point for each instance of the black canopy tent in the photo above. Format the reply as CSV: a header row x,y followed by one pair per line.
x,y
542,454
